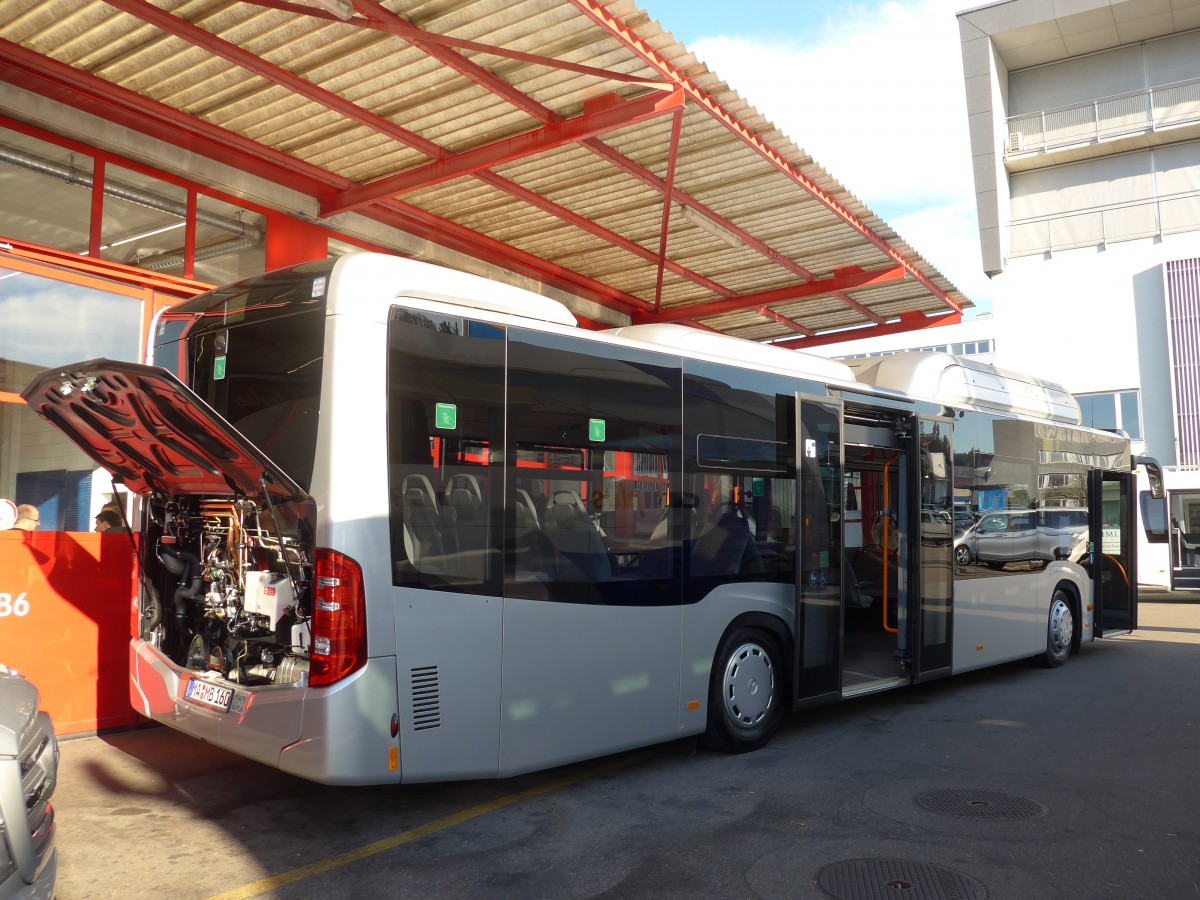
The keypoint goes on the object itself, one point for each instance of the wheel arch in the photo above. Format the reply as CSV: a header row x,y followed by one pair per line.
x,y
766,621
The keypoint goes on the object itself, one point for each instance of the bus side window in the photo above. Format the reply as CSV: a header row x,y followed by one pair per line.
x,y
445,415
593,441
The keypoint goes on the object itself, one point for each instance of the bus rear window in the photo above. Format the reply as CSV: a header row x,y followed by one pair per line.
x,y
253,352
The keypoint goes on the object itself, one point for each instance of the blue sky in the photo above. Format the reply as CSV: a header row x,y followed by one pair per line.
x,y
872,90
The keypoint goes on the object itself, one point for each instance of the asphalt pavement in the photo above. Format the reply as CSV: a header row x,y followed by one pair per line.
x,y
1014,782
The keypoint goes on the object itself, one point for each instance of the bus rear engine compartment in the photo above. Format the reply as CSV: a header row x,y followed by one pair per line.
x,y
224,593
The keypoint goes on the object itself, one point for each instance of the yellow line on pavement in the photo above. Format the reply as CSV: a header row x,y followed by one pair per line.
x,y
320,867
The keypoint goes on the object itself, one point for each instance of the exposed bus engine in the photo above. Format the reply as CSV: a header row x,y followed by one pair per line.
x,y
226,586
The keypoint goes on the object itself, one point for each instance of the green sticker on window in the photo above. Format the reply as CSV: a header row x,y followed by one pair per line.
x,y
758,487
446,416
218,368
596,430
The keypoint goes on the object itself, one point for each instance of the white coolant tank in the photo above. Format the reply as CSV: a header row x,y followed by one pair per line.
x,y
301,638
268,594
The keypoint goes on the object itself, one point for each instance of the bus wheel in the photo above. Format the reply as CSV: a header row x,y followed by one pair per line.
x,y
1060,630
746,692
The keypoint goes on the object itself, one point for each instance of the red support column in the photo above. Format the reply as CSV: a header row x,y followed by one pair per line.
x,y
96,226
291,241
189,236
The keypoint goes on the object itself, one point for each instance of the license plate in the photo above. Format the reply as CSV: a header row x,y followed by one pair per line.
x,y
209,694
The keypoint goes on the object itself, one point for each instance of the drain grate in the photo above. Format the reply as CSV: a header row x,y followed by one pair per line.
x,y
985,806
897,879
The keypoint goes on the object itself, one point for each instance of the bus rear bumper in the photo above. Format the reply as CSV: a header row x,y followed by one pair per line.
x,y
339,734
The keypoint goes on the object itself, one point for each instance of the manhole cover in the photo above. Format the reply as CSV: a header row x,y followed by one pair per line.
x,y
986,806
897,879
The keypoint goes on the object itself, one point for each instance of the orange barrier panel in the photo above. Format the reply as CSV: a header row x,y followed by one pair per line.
x,y
65,614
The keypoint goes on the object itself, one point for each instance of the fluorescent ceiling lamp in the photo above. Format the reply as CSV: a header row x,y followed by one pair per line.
x,y
343,9
707,225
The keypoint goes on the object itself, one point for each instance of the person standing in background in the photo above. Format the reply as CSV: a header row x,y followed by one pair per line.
x,y
27,517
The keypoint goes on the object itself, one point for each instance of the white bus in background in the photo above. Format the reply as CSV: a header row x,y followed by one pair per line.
x,y
402,524
1169,530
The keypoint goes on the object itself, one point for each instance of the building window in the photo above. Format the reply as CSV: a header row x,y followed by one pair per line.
x,y
53,316
1111,411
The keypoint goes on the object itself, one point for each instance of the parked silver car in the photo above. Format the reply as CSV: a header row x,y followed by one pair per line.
x,y
28,773
1011,535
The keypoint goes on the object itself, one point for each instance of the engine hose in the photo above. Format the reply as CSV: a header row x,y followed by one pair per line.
x,y
177,561
194,591
183,564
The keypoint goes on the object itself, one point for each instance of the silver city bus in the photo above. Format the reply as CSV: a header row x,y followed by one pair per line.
x,y
402,524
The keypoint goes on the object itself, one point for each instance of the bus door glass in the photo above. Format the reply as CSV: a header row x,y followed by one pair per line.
x,y
818,627
1184,518
936,546
1113,551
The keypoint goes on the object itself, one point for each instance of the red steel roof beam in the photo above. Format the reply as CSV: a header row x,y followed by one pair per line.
x,y
769,313
653,181
910,321
67,85
672,154
460,64
586,225
390,27
599,14
863,311
845,280
481,76
458,237
519,146
277,75
218,46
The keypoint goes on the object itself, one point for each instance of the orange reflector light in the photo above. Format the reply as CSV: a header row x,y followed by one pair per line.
x,y
693,704
393,759
979,647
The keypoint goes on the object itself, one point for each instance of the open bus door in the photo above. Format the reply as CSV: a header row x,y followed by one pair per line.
x,y
1113,550
935,565
816,665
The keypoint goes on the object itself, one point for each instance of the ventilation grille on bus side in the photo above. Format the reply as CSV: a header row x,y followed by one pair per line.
x,y
426,698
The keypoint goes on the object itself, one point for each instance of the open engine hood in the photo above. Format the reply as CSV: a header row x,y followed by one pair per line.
x,y
152,433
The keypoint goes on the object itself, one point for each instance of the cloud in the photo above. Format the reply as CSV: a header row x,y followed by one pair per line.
x,y
875,94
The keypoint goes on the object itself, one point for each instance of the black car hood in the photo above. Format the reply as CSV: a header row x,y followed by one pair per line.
x,y
152,433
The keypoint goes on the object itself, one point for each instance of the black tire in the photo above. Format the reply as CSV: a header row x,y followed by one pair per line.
x,y
1060,630
962,555
747,692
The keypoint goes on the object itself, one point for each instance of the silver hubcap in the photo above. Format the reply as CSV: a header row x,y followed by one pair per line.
x,y
749,685
1062,626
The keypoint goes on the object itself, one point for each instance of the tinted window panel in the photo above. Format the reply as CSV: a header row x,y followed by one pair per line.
x,y
1154,517
445,427
593,459
739,476
1131,419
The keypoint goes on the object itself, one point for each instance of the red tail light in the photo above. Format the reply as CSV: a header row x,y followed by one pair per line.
x,y
339,619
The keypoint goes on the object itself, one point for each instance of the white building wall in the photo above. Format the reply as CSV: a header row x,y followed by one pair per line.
x,y
1095,321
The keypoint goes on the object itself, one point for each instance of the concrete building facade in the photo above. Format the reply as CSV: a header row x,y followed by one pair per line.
x,y
1084,121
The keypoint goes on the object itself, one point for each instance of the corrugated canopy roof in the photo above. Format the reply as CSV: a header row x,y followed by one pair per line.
x,y
543,136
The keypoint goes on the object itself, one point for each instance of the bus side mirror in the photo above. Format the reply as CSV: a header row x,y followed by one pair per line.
x,y
1154,473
